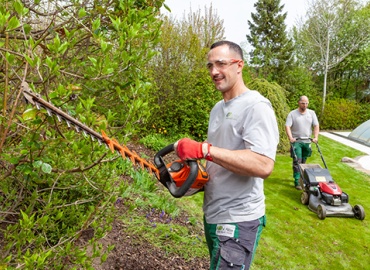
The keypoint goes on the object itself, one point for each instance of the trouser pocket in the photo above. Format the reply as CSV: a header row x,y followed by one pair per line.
x,y
232,255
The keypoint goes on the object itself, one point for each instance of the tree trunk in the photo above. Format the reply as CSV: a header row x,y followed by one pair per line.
x,y
325,74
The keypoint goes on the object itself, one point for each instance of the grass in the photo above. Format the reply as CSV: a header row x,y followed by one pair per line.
x,y
294,238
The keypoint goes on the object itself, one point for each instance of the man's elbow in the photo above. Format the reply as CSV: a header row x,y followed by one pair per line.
x,y
267,169
265,174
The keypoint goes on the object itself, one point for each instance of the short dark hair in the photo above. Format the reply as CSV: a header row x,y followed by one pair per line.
x,y
232,46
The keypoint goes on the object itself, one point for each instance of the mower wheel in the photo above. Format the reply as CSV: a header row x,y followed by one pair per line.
x,y
321,211
304,197
359,212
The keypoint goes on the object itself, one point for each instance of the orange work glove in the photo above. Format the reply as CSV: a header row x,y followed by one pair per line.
x,y
188,149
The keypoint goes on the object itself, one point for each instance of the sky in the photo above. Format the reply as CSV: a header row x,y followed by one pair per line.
x,y
235,13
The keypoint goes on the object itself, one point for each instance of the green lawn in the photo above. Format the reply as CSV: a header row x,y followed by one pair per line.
x,y
295,238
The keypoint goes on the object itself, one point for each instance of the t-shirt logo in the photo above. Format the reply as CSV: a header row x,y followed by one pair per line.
x,y
231,116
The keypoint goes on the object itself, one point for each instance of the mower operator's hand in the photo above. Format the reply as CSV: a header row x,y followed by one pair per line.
x,y
188,149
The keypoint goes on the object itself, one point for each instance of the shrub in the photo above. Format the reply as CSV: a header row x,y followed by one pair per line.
x,y
343,114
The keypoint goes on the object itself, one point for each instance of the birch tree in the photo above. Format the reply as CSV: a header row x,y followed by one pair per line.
x,y
334,30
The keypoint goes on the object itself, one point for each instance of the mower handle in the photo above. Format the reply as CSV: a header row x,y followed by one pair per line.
x,y
165,177
304,138
317,146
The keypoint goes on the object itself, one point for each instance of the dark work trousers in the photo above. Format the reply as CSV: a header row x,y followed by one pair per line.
x,y
302,151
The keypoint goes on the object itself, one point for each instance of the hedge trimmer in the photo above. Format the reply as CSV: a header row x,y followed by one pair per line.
x,y
179,177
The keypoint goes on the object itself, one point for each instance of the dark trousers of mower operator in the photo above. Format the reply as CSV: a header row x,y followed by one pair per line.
x,y
299,151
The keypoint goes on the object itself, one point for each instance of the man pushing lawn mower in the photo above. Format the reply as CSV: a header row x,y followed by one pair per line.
x,y
322,194
299,124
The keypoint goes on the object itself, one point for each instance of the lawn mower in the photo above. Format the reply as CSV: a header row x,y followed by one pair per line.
x,y
322,194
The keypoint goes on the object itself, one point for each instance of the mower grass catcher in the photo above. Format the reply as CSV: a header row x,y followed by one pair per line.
x,y
322,195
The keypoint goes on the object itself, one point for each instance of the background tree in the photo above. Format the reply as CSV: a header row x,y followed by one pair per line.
x,y
272,49
334,30
184,93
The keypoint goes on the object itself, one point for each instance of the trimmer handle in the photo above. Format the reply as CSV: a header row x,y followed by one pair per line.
x,y
165,177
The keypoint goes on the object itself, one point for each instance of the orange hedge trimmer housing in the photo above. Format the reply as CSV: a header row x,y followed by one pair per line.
x,y
181,178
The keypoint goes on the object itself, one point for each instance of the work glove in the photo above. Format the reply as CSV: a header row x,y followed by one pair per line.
x,y
188,149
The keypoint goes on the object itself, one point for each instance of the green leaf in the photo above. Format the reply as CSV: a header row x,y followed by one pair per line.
x,y
93,61
108,70
63,47
96,24
13,23
9,57
29,114
53,95
59,215
27,28
116,23
43,220
25,169
104,257
81,13
18,7
4,18
49,62
37,164
14,160
103,45
32,62
46,168
25,217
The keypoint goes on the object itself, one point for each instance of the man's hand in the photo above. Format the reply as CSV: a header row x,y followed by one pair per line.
x,y
188,149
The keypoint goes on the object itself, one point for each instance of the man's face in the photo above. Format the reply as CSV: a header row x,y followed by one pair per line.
x,y
224,66
303,104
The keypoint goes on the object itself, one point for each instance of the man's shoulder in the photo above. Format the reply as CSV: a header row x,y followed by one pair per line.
x,y
312,112
295,111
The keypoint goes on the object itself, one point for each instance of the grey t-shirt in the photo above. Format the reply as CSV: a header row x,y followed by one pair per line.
x,y
245,122
301,124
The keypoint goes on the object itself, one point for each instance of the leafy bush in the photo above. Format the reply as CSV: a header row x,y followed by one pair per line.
x,y
299,83
55,188
183,106
344,114
88,61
